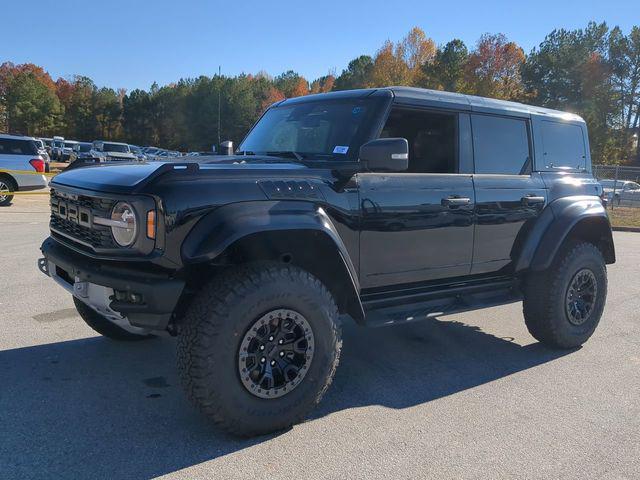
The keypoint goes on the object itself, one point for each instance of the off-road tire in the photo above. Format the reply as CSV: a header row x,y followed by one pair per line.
x,y
545,295
104,327
11,185
210,336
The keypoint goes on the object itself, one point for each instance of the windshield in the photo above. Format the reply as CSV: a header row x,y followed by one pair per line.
x,y
115,147
84,147
632,186
69,144
58,144
332,129
135,150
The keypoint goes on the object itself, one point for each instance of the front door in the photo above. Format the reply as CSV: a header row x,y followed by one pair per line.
x,y
417,225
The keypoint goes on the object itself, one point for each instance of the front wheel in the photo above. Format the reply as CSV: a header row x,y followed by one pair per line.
x,y
258,347
563,305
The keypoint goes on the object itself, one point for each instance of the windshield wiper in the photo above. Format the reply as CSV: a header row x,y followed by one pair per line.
x,y
287,153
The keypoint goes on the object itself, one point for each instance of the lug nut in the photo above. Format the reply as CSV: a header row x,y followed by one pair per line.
x,y
280,342
271,338
282,354
262,360
261,347
273,362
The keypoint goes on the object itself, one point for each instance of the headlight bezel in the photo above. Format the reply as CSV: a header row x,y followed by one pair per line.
x,y
116,230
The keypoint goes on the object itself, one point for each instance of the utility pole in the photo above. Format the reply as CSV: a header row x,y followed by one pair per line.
x,y
219,101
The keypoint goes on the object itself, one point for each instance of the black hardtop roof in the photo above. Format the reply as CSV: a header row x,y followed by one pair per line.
x,y
442,99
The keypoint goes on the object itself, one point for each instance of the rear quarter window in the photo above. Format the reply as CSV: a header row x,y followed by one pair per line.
x,y
500,145
10,146
563,145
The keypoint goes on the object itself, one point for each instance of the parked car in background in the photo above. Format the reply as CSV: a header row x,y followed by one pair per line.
x,y
57,144
137,151
67,150
81,150
43,151
621,192
112,151
150,151
20,163
47,144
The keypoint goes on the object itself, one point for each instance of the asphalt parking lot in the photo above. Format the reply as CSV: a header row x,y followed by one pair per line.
x,y
465,396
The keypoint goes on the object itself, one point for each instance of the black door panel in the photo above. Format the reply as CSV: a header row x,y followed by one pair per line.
x,y
415,227
504,204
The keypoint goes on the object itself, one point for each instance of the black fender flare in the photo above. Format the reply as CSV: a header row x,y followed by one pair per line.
x,y
221,228
556,223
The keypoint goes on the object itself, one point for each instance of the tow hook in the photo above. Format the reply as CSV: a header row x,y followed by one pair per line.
x,y
43,266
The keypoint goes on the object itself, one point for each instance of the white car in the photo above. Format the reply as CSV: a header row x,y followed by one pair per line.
x,y
621,192
21,166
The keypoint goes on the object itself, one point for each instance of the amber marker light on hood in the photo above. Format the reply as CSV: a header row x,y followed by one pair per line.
x,y
151,224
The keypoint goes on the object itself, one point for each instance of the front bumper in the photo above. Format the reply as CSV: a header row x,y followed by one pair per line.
x,y
159,292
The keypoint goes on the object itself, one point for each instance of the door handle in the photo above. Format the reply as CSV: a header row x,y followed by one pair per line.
x,y
532,200
455,201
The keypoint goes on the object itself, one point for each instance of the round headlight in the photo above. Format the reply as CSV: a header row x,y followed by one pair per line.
x,y
124,227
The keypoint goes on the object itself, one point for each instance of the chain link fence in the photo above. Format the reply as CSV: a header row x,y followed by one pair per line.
x,y
621,184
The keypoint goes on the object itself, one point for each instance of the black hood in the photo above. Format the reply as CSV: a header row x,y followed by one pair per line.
x,y
132,177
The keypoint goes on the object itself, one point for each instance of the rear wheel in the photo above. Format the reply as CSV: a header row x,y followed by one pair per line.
x,y
563,305
7,185
105,327
258,347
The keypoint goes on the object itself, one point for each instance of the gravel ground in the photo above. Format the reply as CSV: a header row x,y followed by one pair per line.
x,y
465,396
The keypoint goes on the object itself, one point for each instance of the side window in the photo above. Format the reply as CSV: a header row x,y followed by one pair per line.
x,y
10,146
500,145
432,138
563,145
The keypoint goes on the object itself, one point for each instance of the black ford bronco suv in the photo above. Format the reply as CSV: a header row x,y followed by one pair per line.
x,y
383,206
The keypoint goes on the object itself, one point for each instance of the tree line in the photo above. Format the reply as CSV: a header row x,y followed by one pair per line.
x,y
593,71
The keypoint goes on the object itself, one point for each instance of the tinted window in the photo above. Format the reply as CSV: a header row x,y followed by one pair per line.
x,y
332,130
500,145
432,139
115,147
563,145
11,146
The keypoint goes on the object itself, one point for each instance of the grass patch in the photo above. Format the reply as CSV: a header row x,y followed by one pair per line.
x,y
624,216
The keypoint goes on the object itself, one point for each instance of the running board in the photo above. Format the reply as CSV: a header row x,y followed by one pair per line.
x,y
414,306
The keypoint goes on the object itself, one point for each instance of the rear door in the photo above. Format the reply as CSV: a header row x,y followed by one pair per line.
x,y
509,196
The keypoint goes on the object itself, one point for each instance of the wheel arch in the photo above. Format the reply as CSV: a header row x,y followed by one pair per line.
x,y
7,176
569,218
300,233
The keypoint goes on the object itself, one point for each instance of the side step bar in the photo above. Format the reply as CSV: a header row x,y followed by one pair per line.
x,y
419,304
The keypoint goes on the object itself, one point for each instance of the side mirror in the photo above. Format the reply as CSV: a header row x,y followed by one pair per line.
x,y
388,154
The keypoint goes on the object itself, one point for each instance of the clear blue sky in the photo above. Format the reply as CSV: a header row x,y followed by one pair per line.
x,y
132,43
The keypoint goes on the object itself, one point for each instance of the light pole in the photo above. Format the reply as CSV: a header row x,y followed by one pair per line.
x,y
219,100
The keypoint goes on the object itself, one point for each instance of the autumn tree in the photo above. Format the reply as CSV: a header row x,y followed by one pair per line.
x,y
493,68
323,84
32,107
291,84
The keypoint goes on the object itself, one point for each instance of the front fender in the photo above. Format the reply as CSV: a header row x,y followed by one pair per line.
x,y
556,223
223,227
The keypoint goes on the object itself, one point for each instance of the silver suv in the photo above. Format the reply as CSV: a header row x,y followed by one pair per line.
x,y
112,152
21,166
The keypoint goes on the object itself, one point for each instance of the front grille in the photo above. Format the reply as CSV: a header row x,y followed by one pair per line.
x,y
72,217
